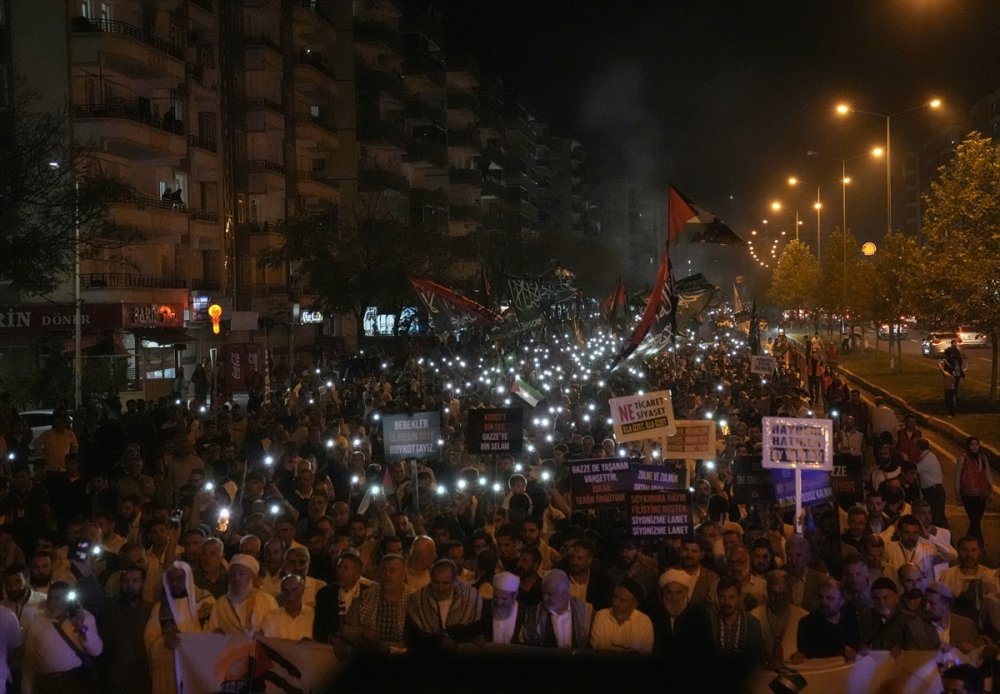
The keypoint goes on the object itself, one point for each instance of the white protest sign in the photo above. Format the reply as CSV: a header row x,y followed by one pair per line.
x,y
762,365
693,440
792,443
647,416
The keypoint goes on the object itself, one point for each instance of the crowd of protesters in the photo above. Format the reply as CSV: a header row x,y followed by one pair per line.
x,y
128,526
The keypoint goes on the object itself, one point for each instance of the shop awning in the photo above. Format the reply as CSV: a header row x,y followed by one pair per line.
x,y
164,336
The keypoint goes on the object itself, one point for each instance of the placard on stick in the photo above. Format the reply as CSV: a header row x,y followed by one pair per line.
x,y
647,416
600,482
763,365
411,436
495,430
694,440
660,514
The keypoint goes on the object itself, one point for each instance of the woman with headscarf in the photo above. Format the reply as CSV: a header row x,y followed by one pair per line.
x,y
974,484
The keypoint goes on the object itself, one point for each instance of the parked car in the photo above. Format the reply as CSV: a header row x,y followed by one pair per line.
x,y
971,337
898,330
935,344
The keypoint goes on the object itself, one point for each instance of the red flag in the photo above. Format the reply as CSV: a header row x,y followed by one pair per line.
x,y
649,314
688,222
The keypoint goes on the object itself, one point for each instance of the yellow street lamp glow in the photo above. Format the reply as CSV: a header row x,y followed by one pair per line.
x,y
776,206
215,313
843,109
753,232
878,151
934,103
792,180
846,180
817,205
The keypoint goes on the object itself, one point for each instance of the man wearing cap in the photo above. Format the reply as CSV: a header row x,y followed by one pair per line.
x,y
243,608
680,627
882,624
938,625
622,627
504,615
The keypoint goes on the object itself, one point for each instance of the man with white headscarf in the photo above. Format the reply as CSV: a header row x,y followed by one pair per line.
x,y
180,611
243,608
681,628
505,614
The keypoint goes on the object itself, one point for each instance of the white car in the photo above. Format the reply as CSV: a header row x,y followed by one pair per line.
x,y
971,337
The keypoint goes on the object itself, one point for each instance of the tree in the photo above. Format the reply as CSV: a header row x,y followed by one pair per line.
x,y
364,258
895,285
962,228
795,281
49,189
840,272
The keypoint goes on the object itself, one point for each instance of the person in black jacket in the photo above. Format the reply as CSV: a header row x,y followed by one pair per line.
x,y
830,630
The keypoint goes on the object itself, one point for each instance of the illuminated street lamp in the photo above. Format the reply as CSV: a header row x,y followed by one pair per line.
x,y
844,109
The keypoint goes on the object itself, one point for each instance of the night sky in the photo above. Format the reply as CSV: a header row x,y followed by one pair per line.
x,y
723,99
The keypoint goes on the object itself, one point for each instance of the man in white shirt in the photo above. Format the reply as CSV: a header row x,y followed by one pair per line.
x,y
560,620
622,627
506,613
243,608
61,647
10,640
911,548
293,620
970,581
937,536
931,481
297,562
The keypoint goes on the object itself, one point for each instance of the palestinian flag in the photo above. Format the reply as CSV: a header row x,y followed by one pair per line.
x,y
660,309
753,335
526,392
687,222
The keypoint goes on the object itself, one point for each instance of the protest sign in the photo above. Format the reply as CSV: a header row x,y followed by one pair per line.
x,y
815,486
411,436
657,477
647,416
847,480
660,514
600,482
753,483
694,440
762,365
495,430
798,442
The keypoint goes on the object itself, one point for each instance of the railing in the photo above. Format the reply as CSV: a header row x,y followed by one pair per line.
x,y
258,228
203,214
128,113
269,289
200,143
324,122
374,31
417,62
261,40
83,25
257,165
319,177
467,137
141,200
316,61
428,151
470,177
371,130
255,103
118,280
205,285
371,81
380,179
421,110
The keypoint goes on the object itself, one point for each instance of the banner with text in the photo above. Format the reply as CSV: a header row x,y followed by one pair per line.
x,y
694,440
414,435
798,442
219,663
495,430
600,482
847,479
660,514
647,416
753,483
657,477
763,366
816,487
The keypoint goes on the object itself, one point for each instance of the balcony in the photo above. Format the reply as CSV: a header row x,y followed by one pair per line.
x,y
203,143
464,101
310,24
378,33
321,130
203,215
426,70
424,113
465,177
421,197
257,104
467,138
127,132
427,151
372,180
121,47
377,131
316,184
370,81
203,285
493,188
315,63
265,176
464,213
261,41
121,280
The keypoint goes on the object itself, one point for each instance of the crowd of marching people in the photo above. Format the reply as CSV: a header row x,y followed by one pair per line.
x,y
128,526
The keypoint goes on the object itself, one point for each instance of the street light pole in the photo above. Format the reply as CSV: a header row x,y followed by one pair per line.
x,y
819,209
77,300
888,175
